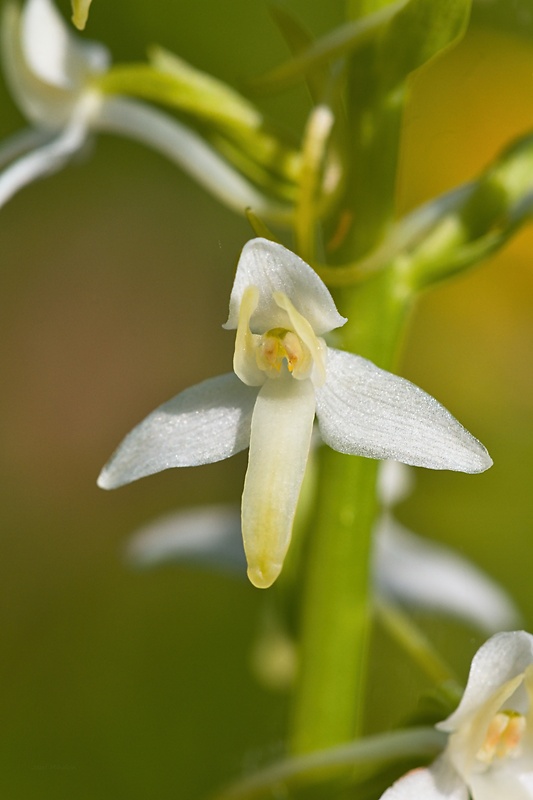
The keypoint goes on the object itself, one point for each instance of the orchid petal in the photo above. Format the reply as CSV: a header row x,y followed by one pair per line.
x,y
411,570
363,410
22,142
46,105
206,423
177,142
273,268
282,425
503,784
41,162
209,537
496,667
439,782
53,52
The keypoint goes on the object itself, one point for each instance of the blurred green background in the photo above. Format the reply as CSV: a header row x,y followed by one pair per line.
x,y
114,283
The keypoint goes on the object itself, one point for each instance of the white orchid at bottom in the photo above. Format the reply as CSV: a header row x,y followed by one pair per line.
x,y
53,75
284,375
489,755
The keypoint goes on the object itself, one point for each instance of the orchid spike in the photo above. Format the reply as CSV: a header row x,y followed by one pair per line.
x,y
53,76
284,375
489,755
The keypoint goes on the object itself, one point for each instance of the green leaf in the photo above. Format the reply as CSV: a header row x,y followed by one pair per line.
x,y
298,40
341,41
419,32
171,81
480,222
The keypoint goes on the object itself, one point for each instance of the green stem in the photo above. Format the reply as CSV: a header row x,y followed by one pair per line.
x,y
336,609
330,691
413,641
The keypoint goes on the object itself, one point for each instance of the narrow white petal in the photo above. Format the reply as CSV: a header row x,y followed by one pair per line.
x,y
43,161
54,53
208,536
181,145
282,425
273,268
414,571
439,782
203,424
364,410
495,667
22,142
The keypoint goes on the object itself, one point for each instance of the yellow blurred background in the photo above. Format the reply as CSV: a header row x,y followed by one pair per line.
x,y
114,284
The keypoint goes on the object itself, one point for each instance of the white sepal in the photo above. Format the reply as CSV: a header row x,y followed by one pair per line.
x,y
206,423
364,410
422,574
282,425
53,52
43,161
501,660
273,268
208,536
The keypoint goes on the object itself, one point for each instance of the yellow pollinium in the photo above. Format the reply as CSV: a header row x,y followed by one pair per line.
x,y
503,737
280,346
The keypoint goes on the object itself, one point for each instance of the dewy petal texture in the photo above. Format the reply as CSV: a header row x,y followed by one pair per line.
x,y
282,424
364,410
206,423
273,268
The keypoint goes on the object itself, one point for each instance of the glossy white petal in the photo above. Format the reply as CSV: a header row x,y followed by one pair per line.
x,y
495,667
181,145
364,410
206,423
43,161
54,53
273,268
209,536
411,570
439,782
282,425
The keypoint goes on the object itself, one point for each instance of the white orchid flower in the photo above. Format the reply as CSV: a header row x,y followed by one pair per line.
x,y
284,374
489,755
53,76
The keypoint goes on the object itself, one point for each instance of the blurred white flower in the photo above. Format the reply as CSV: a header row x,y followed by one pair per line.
x,y
406,569
418,573
489,755
284,374
53,76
